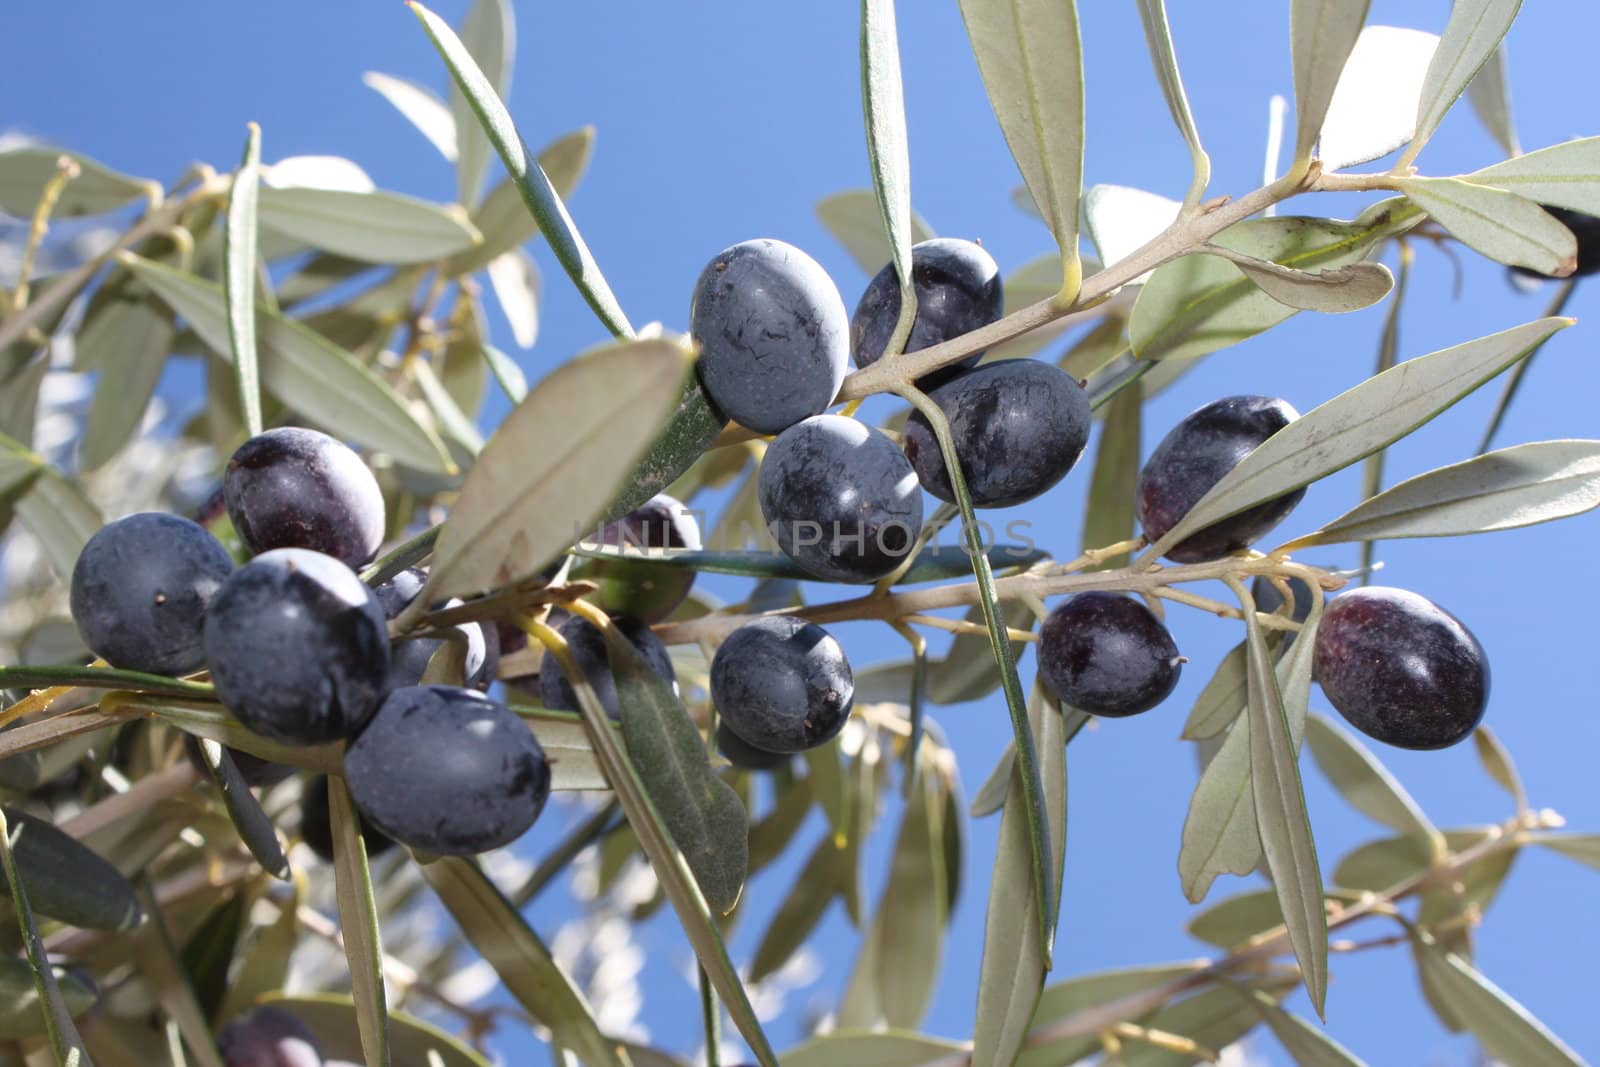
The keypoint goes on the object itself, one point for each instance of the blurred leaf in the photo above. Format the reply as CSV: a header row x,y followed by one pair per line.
x,y
421,108
1222,701
701,812
967,671
1500,490
1566,175
852,217
520,958
1385,863
1470,38
158,964
1281,804
24,172
1036,280
68,882
1200,303
1357,423
877,1048
503,218
1374,107
1322,33
1108,516
376,227
1365,782
802,909
455,423
1097,350
689,430
1307,1045
1498,224
478,86
991,795
208,954
1335,291
676,880
894,975
127,341
489,37
1585,848
1490,96
44,677
53,507
1013,970
413,1043
1121,220
1158,37
65,1043
239,244
214,722
358,921
1035,83
507,374
888,156
20,1012
317,276
769,837
831,786
1498,763
1067,998
515,281
265,965
932,565
19,394
1230,923
1220,835
332,173
1505,1028
1213,1019
255,829
317,379
567,446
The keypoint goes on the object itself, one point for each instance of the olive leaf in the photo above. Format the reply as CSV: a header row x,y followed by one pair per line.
x,y
255,828
1358,422
374,227
53,507
875,1048
701,813
1585,848
932,564
1322,34
97,190
1472,35
802,908
1109,514
421,108
1566,175
540,196
520,958
1489,93
1121,220
239,278
358,920
1309,1046
413,1042
23,1012
65,1042
316,378
1499,765
566,447
1236,920
1506,1029
1390,861
1158,36
66,881
853,218
1500,225
1013,970
1366,783
1501,490
1374,105
1220,835
888,155
1335,291
488,36
688,431
1030,55
126,340
1223,699
503,218
1068,998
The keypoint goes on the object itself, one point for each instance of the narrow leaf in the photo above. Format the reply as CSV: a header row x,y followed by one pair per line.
x,y
24,172
421,108
537,191
373,227
1490,96
1499,765
488,37
1358,422
1501,225
1585,848
1374,107
1013,970
332,1018
1308,1046
65,1042
567,447
506,374
239,279
66,881
1335,291
888,156
880,1048
853,218
1067,998
1220,835
1222,701
1232,922
1281,812
317,379
1566,175
358,919
1506,1029
802,909
1031,58
1121,220
688,431
702,814
1158,37
1501,490
127,341
24,1008
503,218
515,281
1365,782
1470,38
254,827
991,795
518,955
1323,33
157,959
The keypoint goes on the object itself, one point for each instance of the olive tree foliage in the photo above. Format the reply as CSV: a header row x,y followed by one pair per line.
x,y
150,898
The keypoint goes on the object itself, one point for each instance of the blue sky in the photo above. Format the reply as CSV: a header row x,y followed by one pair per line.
x,y
722,122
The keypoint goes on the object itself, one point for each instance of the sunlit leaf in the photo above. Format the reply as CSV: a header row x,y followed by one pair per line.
x,y
421,108
126,341
358,921
375,227
1223,699
1322,35
24,172
413,1043
852,217
1163,58
1565,175
1374,107
488,36
1585,848
1365,782
1335,291
503,218
1470,38
1500,225
1121,220
516,285
1490,96
880,1048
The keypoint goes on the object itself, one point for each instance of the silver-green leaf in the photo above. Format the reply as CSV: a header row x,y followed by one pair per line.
x,y
358,920
853,218
1322,34
1500,225
1366,783
1566,175
375,227
421,108
1472,35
